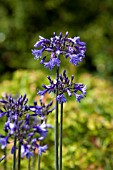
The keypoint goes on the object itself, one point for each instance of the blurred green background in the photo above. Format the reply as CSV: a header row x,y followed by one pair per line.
x,y
88,126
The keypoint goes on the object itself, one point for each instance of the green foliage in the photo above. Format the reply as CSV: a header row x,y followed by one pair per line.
x,y
88,126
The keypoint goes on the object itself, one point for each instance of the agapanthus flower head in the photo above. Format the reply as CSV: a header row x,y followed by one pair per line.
x,y
24,124
71,48
65,86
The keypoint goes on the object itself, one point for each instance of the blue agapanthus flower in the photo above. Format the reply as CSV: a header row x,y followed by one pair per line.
x,y
3,141
26,123
61,98
71,48
65,86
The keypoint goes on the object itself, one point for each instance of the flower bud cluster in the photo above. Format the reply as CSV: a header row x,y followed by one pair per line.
x,y
43,110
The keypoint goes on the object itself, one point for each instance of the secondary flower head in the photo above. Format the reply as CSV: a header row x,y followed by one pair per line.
x,y
22,123
71,48
65,86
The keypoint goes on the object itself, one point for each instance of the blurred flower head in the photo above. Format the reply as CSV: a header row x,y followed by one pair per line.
x,y
21,123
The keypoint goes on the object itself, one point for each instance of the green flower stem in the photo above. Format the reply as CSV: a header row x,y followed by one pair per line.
x,y
5,153
14,155
33,162
56,125
5,161
39,157
29,161
19,155
61,127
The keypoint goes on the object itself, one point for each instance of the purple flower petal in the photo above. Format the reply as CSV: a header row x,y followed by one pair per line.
x,y
37,53
42,149
61,99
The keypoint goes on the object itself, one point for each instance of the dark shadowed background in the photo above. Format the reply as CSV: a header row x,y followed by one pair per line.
x,y
21,22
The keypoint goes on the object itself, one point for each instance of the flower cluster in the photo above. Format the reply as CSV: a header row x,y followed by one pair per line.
x,y
43,110
71,48
27,124
64,85
22,124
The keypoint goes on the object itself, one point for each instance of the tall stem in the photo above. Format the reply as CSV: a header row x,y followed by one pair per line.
x,y
39,161
33,162
56,124
14,155
5,153
61,128
29,161
19,155
5,161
